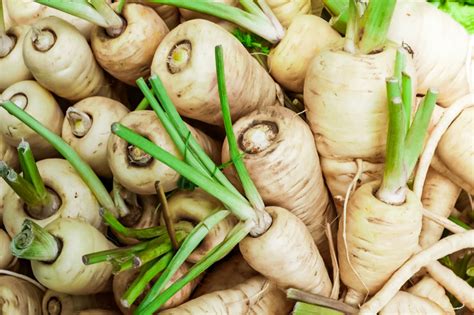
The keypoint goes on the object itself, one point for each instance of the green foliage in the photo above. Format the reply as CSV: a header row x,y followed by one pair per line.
x,y
463,267
252,42
461,10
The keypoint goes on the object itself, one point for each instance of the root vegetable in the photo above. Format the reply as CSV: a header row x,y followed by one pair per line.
x,y
287,10
292,269
123,280
29,12
195,206
187,53
8,153
256,295
6,257
60,267
87,129
442,248
19,297
275,141
432,290
40,103
137,171
407,303
75,198
168,13
11,60
439,196
97,311
60,59
386,235
288,61
228,273
56,303
128,56
441,62
455,152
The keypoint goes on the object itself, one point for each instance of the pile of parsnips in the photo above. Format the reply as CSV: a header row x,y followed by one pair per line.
x,y
336,152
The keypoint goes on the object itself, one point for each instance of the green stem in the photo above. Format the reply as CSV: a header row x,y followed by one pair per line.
x,y
167,215
416,134
302,308
178,141
139,284
238,233
407,97
21,187
80,8
243,210
82,168
247,183
143,104
189,245
112,19
30,170
119,202
257,24
336,7
35,243
459,222
374,25
180,126
120,6
394,177
400,64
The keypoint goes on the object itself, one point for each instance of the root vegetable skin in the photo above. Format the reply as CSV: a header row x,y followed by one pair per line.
x,y
305,37
12,65
350,123
195,206
66,66
97,311
407,303
287,10
432,290
256,295
455,151
282,161
92,147
301,266
439,195
24,12
56,303
19,297
225,274
38,102
6,256
68,274
442,62
380,238
141,180
77,201
187,53
128,56
168,13
8,153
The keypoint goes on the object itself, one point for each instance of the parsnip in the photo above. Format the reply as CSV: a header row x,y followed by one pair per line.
x,y
287,10
6,257
454,156
137,171
305,37
66,273
76,200
56,303
8,153
168,13
186,53
195,206
407,303
87,129
60,59
443,62
256,295
97,311
281,157
301,255
29,12
12,63
40,103
128,56
432,290
19,297
439,195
